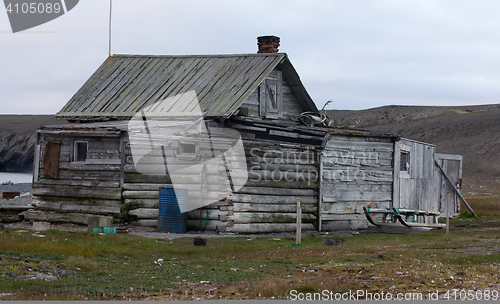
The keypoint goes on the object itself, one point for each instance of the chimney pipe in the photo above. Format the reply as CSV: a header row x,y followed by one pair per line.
x,y
268,44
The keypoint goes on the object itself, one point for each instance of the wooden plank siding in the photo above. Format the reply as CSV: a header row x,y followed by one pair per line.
x,y
418,188
289,105
452,164
90,187
357,172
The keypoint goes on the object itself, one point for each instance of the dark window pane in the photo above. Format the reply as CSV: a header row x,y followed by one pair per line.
x,y
405,161
187,148
81,151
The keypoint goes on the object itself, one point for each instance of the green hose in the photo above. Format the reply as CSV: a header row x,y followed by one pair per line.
x,y
206,220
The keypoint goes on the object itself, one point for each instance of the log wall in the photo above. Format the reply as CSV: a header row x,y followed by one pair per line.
x,y
334,178
279,173
155,168
82,188
356,172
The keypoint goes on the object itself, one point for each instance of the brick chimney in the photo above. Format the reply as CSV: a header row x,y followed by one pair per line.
x,y
268,44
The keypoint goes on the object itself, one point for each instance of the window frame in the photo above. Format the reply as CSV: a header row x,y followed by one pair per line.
x,y
271,89
405,172
179,152
76,151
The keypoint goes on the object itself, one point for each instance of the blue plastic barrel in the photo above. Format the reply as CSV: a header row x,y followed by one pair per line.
x,y
170,217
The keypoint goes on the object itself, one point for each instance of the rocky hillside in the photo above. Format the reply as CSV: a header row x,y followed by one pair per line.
x,y
473,131
17,140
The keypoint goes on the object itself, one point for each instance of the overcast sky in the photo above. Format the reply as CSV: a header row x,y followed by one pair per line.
x,y
360,54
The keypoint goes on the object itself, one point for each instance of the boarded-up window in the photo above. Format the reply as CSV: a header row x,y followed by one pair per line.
x,y
81,150
270,98
51,159
405,161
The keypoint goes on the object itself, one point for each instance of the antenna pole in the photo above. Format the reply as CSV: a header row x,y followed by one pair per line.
x,y
110,7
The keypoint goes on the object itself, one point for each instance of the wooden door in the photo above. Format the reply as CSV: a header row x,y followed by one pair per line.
x,y
452,165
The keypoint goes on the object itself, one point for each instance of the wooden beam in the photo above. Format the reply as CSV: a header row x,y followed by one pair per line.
x,y
74,191
320,194
76,218
456,190
270,217
268,227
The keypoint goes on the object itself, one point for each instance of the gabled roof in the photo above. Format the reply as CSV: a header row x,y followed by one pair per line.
x,y
125,84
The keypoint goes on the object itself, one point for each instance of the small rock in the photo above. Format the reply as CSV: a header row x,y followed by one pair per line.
x,y
461,273
199,241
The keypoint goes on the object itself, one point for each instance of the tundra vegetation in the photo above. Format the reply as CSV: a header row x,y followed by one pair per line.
x,y
74,265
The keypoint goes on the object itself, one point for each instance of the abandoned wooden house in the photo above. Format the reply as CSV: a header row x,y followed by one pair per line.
x,y
88,167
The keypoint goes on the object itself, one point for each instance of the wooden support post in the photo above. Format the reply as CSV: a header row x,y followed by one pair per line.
x,y
447,212
456,190
320,192
298,235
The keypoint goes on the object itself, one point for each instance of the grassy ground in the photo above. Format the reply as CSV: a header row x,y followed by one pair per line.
x,y
65,265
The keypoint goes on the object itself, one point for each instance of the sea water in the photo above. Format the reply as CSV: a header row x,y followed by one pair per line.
x,y
16,177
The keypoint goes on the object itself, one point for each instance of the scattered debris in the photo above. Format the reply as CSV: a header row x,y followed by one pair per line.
x,y
10,194
25,195
159,262
41,226
333,241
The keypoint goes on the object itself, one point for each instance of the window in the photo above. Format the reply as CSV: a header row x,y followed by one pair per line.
x,y
270,97
81,150
405,161
187,148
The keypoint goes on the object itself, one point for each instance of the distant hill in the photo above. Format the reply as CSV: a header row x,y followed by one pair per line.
x,y
472,131
17,140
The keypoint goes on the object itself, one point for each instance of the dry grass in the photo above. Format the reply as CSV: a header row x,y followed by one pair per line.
x,y
80,265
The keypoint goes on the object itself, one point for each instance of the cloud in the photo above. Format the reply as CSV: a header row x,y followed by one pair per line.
x,y
359,53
